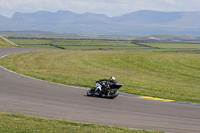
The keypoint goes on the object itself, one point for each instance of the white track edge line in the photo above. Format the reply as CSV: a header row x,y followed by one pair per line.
x,y
78,87
84,88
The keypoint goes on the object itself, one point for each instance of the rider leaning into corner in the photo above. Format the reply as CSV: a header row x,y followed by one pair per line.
x,y
110,82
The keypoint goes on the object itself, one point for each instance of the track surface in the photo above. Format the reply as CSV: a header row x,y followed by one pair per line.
x,y
19,94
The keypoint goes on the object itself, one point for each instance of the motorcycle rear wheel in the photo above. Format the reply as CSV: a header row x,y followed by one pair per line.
x,y
113,93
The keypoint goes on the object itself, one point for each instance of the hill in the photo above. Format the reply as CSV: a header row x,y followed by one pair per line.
x,y
143,22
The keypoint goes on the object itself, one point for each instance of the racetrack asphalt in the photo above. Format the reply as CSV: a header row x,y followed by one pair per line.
x,y
20,94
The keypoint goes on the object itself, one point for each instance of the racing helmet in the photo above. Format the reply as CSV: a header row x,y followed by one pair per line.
x,y
112,78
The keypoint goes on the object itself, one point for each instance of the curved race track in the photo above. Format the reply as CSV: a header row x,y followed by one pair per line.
x,y
39,98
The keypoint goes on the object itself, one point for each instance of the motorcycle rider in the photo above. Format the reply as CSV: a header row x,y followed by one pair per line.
x,y
110,82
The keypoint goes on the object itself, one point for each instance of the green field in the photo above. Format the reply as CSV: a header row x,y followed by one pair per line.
x,y
174,46
77,44
17,123
109,45
174,76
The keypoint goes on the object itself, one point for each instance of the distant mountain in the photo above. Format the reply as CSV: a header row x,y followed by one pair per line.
x,y
46,17
4,20
149,17
143,22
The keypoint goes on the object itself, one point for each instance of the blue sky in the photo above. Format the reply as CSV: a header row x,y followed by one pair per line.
x,y
107,7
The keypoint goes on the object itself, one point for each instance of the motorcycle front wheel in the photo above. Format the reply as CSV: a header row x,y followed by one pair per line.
x,y
113,93
90,92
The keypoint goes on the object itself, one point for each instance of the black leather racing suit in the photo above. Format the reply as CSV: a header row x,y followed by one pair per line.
x,y
109,83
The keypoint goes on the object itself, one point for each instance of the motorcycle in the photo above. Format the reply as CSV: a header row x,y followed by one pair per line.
x,y
102,89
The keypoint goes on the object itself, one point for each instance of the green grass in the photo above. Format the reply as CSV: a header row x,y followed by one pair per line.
x,y
3,43
18,123
109,45
174,46
174,76
69,44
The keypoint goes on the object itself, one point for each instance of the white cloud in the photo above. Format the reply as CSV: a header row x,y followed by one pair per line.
x,y
172,2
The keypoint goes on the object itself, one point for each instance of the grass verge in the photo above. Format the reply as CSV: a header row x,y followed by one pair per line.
x,y
174,76
18,123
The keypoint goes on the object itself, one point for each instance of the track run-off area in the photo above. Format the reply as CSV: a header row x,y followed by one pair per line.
x,y
29,96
